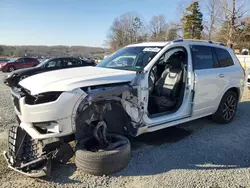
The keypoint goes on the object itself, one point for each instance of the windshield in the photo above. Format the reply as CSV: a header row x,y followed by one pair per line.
x,y
130,58
12,60
43,62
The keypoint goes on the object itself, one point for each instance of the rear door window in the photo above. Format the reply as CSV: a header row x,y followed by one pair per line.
x,y
71,62
224,58
29,60
203,57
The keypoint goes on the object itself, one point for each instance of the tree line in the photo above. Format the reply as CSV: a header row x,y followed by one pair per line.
x,y
226,21
19,51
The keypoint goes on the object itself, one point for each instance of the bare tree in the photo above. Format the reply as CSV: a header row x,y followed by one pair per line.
x,y
213,12
232,13
158,27
232,19
126,29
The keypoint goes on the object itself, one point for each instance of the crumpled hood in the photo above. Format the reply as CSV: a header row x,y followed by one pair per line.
x,y
69,79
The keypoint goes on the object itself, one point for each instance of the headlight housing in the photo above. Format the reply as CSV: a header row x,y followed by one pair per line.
x,y
42,98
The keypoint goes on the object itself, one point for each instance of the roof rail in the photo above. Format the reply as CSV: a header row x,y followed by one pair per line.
x,y
197,40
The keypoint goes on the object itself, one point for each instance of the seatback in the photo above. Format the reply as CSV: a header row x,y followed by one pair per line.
x,y
169,84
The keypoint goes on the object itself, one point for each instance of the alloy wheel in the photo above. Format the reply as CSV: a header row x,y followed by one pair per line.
x,y
229,107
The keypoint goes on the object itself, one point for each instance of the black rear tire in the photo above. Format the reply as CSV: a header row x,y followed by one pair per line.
x,y
102,162
227,108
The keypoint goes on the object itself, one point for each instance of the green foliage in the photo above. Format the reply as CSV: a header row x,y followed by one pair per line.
x,y
192,22
241,36
222,34
172,34
126,29
19,51
1,50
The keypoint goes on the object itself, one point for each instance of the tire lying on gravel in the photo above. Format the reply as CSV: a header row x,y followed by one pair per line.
x,y
103,162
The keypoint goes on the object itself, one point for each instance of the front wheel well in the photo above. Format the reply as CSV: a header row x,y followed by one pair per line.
x,y
114,115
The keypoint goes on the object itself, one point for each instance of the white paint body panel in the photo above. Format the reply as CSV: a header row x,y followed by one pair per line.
x,y
61,111
69,79
207,86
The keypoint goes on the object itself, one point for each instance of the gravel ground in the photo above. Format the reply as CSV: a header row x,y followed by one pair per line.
x,y
195,154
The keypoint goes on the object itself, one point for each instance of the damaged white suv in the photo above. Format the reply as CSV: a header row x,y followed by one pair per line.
x,y
140,88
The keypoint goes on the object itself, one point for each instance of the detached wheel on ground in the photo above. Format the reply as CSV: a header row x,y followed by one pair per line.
x,y
113,158
227,108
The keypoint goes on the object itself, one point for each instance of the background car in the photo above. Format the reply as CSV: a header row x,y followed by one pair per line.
x,y
19,63
47,65
4,60
248,81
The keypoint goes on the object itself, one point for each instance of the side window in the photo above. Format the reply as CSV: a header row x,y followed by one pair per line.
x,y
174,57
77,62
224,58
54,63
175,53
51,64
69,62
202,57
28,60
20,60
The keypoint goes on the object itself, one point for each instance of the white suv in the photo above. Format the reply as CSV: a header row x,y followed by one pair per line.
x,y
140,88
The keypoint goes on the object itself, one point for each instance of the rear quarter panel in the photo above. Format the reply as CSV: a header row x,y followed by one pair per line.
x,y
234,77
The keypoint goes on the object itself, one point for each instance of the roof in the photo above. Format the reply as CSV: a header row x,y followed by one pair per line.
x,y
159,44
186,41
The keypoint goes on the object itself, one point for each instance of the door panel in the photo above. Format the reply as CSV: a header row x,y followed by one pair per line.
x,y
26,63
208,90
185,109
210,81
19,64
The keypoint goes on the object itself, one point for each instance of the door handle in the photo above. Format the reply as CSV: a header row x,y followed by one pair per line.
x,y
221,75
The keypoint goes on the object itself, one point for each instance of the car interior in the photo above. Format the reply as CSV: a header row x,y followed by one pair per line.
x,y
167,82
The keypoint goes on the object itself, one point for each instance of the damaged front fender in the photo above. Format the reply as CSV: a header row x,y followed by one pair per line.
x,y
116,104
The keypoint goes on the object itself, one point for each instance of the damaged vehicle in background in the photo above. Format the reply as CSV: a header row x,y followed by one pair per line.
x,y
13,78
140,88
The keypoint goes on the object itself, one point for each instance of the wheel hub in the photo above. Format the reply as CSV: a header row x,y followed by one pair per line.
x,y
229,107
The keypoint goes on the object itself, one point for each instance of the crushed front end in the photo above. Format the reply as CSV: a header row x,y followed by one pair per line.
x,y
28,156
37,141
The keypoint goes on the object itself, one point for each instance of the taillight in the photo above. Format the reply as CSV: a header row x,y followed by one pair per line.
x,y
244,71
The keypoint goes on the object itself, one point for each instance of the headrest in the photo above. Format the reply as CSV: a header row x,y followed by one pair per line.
x,y
176,59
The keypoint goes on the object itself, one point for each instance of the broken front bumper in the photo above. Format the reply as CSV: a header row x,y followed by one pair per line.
x,y
28,156
56,117
35,174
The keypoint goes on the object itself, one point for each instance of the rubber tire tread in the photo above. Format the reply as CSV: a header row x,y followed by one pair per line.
x,y
104,162
218,116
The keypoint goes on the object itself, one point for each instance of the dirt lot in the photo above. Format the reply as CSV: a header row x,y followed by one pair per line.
x,y
196,154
